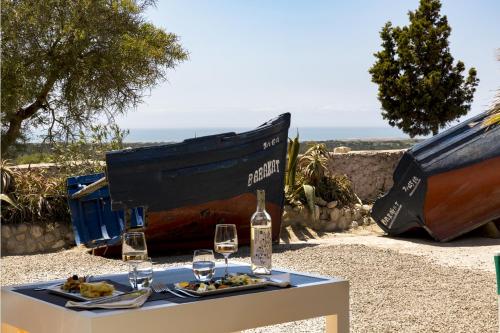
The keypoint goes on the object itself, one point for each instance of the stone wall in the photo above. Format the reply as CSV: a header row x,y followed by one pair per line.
x,y
35,238
328,217
369,171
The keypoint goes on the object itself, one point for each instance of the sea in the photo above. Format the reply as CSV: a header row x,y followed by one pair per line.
x,y
305,133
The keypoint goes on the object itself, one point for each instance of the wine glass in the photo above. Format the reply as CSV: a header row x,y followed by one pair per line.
x,y
203,265
134,250
225,241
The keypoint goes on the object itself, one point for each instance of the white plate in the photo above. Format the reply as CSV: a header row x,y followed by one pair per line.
x,y
77,296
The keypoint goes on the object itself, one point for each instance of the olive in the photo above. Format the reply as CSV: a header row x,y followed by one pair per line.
x,y
75,277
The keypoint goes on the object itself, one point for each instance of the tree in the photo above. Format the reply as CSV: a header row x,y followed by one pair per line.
x,y
419,88
66,64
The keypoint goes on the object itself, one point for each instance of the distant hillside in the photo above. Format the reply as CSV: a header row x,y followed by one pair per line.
x,y
37,152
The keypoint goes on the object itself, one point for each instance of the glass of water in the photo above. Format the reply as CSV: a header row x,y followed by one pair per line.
x,y
140,274
203,265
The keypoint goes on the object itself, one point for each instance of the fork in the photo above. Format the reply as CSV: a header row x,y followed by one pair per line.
x,y
186,293
159,287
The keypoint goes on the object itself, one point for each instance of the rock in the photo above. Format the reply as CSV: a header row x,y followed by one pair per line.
x,y
49,238
332,204
334,214
356,216
347,214
304,217
285,216
36,231
59,244
316,225
354,224
11,244
366,220
342,223
330,226
40,247
289,215
341,150
285,221
20,237
21,229
292,216
30,246
325,214
56,232
6,231
366,209
19,249
320,202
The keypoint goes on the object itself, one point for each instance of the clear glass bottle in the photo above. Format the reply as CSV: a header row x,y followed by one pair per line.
x,y
261,246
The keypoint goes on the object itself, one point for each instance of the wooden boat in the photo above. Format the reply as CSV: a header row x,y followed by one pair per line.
x,y
187,188
448,184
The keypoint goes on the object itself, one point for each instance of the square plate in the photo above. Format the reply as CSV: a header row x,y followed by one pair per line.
x,y
56,289
261,284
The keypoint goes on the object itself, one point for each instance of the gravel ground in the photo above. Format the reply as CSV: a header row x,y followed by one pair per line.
x,y
390,291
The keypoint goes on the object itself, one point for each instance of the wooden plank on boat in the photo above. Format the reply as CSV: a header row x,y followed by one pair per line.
x,y
90,188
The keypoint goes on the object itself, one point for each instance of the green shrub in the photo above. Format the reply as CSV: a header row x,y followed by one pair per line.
x,y
38,195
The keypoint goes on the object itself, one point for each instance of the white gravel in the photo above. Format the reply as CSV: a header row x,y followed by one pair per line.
x,y
391,291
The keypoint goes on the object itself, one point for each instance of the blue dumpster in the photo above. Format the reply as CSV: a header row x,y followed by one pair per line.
x,y
94,222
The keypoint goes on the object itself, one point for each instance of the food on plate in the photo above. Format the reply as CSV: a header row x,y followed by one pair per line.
x,y
232,281
96,289
72,284
183,284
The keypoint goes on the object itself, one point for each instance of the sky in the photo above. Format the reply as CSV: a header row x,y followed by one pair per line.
x,y
250,61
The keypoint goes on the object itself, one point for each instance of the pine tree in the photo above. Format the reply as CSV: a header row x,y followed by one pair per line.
x,y
419,87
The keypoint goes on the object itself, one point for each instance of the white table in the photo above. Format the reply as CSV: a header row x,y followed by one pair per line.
x,y
328,297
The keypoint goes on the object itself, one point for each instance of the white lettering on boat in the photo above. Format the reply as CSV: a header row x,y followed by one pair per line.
x,y
271,143
412,185
390,217
266,170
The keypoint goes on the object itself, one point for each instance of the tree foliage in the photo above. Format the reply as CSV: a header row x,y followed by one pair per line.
x,y
419,87
66,64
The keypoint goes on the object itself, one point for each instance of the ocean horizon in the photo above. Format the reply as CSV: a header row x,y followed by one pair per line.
x,y
305,133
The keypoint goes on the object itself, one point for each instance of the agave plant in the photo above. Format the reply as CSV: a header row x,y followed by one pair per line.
x,y
293,153
494,117
7,181
313,180
314,164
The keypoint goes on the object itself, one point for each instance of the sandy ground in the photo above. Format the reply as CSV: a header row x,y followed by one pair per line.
x,y
470,252
397,285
